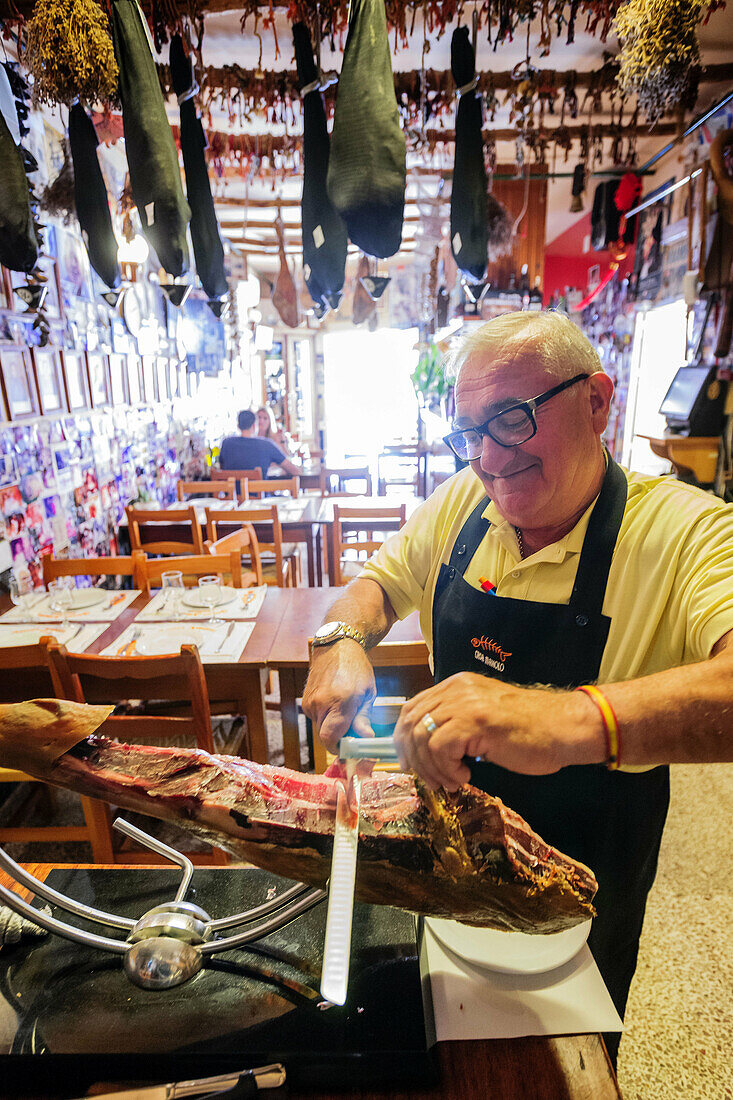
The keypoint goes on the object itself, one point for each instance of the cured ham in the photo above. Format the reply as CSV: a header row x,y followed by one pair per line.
x,y
468,205
92,203
285,292
464,856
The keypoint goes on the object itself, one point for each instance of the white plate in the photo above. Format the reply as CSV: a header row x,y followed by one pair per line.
x,y
509,952
81,598
169,639
194,598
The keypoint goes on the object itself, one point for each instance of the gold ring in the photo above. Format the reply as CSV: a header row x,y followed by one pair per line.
x,y
429,722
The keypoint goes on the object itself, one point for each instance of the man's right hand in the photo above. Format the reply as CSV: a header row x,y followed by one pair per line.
x,y
340,691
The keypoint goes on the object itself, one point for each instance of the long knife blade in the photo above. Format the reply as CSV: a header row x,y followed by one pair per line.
x,y
337,946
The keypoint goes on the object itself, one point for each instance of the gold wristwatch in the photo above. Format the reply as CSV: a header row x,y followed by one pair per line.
x,y
335,631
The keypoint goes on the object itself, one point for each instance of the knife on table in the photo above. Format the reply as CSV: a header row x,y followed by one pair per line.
x,y
227,1086
337,946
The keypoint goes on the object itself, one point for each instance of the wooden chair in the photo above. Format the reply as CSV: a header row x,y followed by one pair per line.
x,y
89,567
352,539
164,679
241,477
402,465
227,490
144,524
258,487
95,830
341,476
242,541
228,566
279,561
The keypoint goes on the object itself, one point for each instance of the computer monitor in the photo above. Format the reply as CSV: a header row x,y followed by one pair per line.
x,y
681,396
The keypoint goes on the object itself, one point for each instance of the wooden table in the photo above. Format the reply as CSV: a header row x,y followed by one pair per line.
x,y
565,1067
242,680
404,673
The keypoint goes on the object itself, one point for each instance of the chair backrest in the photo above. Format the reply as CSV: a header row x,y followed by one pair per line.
x,y
26,656
256,487
192,566
266,519
148,529
354,530
243,540
173,678
227,490
340,476
88,567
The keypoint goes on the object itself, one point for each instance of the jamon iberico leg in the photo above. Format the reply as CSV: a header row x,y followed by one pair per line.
x,y
462,855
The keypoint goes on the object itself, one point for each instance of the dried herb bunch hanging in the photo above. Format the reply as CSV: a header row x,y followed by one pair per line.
x,y
69,51
57,198
660,53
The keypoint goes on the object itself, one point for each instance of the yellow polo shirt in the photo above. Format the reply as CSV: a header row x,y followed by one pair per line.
x,y
670,587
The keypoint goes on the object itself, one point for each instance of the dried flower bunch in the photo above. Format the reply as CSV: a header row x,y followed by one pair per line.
x,y
70,54
660,52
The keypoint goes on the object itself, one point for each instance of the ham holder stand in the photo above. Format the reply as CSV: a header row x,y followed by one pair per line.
x,y
167,945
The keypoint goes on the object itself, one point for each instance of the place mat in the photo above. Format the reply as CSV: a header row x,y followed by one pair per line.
x,y
245,605
106,610
75,637
221,642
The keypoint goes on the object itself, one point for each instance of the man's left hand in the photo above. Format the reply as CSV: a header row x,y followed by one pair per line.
x,y
528,730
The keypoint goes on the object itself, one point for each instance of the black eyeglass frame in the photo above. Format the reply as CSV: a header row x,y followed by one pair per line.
x,y
529,407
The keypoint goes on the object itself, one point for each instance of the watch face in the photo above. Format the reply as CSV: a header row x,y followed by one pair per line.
x,y
326,630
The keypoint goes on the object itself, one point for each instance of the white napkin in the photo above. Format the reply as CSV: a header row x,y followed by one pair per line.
x,y
76,638
214,643
105,611
245,605
472,1002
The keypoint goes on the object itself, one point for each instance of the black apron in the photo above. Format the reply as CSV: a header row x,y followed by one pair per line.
x,y
610,820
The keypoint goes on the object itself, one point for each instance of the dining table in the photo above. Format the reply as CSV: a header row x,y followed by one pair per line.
x,y
572,1066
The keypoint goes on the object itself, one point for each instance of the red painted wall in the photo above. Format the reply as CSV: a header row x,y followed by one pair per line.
x,y
567,265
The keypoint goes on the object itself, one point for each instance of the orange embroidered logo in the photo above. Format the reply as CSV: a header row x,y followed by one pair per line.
x,y
489,645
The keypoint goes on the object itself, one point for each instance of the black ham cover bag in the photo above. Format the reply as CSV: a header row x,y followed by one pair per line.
x,y
367,170
208,250
90,194
324,233
151,152
18,244
469,232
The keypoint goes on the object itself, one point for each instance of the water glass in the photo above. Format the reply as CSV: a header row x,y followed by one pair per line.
x,y
21,594
61,597
172,584
210,593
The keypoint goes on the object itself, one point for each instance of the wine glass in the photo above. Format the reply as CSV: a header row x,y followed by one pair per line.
x,y
61,597
210,593
21,592
172,583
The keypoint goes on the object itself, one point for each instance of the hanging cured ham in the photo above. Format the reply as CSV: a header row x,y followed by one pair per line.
x,y
364,305
285,292
18,243
92,203
151,152
208,250
367,170
324,233
468,205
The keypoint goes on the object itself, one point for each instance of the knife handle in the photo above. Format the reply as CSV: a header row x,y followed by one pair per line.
x,y
245,1088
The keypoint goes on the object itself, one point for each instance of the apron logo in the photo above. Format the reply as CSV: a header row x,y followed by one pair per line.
x,y
484,646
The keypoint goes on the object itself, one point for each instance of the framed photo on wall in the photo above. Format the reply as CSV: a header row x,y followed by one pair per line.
x,y
162,369
77,383
149,379
134,391
18,384
98,380
118,379
49,377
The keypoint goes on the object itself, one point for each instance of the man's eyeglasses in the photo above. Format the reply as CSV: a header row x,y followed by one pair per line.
x,y
508,428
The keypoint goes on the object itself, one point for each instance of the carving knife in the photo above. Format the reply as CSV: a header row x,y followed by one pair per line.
x,y
234,1085
337,946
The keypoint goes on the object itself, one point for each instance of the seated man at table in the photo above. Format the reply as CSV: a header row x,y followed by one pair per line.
x,y
248,450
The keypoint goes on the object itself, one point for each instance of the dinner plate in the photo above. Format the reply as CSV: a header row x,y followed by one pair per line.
x,y
194,598
81,598
169,639
509,952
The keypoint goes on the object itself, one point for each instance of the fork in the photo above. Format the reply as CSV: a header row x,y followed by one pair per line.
x,y
226,637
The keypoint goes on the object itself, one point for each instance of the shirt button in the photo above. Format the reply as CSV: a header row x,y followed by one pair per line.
x,y
515,573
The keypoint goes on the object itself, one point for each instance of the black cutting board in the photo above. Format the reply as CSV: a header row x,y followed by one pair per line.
x,y
68,1013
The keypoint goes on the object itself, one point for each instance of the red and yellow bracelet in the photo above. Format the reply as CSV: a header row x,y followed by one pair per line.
x,y
610,723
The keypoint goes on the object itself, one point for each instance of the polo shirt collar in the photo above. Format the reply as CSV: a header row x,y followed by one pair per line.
x,y
503,531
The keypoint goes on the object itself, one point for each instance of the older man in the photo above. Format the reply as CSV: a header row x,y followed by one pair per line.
x,y
572,573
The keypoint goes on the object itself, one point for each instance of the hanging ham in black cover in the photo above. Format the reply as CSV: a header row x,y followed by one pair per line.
x,y
469,234
151,152
324,233
90,193
208,250
18,242
367,170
